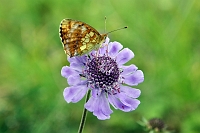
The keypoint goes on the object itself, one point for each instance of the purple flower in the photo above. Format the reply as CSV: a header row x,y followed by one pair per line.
x,y
105,75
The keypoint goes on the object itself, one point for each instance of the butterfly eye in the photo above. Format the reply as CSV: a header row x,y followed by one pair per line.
x,y
105,38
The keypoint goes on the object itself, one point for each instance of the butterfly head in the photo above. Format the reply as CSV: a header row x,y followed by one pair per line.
x,y
103,38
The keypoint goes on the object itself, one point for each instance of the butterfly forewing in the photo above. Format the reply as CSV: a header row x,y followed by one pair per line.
x,y
79,38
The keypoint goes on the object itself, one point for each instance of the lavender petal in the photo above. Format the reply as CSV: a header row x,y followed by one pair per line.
x,y
68,71
128,69
130,92
72,92
124,56
113,48
135,78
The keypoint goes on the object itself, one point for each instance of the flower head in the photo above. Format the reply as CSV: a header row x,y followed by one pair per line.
x,y
105,75
156,124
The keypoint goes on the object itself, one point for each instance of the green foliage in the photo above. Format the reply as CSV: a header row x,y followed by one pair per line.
x,y
163,34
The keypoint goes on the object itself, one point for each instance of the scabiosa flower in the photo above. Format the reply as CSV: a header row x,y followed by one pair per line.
x,y
105,75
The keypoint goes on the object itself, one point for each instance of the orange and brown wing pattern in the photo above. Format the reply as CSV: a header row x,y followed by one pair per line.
x,y
79,38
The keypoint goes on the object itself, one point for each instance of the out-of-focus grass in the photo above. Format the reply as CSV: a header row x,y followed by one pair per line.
x,y
163,34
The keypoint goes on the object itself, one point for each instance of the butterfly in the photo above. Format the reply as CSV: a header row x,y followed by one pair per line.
x,y
79,38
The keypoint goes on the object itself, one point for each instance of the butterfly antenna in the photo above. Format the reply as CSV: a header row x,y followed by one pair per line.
x,y
105,32
105,25
117,29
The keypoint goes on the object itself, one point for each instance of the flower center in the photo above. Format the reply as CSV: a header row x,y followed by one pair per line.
x,y
102,72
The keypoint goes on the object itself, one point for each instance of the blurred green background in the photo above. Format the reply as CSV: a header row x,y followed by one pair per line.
x,y
163,34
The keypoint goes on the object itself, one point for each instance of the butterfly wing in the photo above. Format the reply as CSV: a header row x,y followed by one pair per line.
x,y
78,38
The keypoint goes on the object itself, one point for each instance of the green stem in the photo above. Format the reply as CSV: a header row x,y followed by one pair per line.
x,y
83,119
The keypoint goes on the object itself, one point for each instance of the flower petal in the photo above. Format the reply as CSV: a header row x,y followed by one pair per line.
x,y
74,80
104,47
124,56
81,60
76,66
135,78
113,48
72,92
90,104
117,104
128,69
67,71
131,92
99,106
128,101
102,50
96,92
107,41
79,95
102,109
104,105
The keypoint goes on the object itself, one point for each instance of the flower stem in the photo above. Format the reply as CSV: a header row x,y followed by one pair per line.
x,y
83,119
